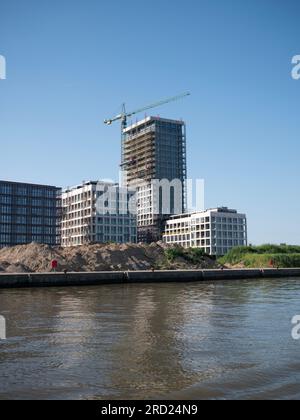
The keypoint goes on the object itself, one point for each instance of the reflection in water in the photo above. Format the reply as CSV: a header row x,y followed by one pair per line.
x,y
219,340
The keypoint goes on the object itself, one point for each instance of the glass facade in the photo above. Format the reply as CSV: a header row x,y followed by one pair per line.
x,y
29,213
170,151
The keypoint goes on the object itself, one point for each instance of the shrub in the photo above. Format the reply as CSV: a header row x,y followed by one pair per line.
x,y
192,255
173,253
283,256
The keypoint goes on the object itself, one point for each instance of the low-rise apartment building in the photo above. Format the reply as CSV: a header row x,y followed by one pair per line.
x,y
98,212
216,230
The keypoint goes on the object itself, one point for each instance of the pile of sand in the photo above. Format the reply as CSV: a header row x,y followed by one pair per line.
x,y
99,257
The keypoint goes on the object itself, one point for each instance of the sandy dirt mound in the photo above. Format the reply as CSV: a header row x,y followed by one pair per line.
x,y
99,257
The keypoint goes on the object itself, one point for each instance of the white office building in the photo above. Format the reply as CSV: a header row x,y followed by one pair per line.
x,y
216,230
98,212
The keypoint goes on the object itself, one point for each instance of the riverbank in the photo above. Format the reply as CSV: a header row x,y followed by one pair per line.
x,y
104,278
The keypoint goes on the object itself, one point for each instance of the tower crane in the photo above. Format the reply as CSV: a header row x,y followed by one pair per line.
x,y
123,117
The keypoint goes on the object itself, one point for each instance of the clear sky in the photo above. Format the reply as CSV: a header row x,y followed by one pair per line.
x,y
71,64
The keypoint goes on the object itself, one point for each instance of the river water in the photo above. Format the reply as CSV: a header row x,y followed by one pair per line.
x,y
219,340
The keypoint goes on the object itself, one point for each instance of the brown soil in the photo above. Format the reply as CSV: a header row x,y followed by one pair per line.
x,y
99,257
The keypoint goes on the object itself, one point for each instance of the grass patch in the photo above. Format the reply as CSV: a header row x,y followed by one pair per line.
x,y
283,256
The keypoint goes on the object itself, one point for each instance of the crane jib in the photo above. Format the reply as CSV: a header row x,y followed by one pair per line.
x,y
124,115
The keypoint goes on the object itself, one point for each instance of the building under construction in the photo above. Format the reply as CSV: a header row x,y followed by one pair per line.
x,y
154,150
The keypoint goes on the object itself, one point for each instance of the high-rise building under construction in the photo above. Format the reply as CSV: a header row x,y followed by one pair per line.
x,y
154,161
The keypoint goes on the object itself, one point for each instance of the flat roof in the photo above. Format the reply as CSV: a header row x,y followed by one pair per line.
x,y
148,119
223,210
87,183
29,184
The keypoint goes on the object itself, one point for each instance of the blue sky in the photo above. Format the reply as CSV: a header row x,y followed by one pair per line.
x,y
71,63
